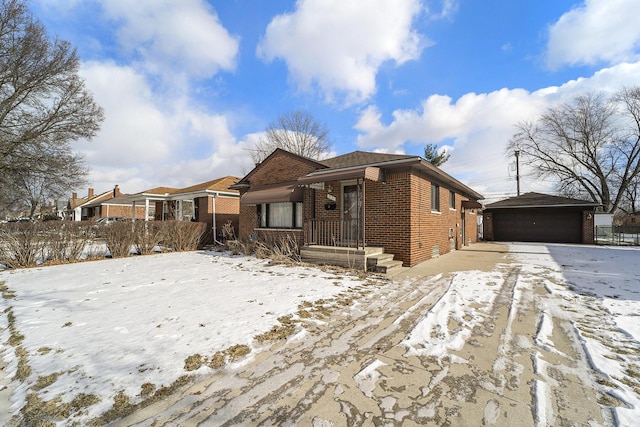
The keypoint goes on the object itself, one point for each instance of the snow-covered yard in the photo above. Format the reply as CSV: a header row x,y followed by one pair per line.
x,y
106,328
110,326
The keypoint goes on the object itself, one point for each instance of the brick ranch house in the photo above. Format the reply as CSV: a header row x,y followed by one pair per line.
x,y
358,209
87,208
210,202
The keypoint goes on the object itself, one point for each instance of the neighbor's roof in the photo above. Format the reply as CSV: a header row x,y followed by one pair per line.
x,y
220,184
160,190
539,200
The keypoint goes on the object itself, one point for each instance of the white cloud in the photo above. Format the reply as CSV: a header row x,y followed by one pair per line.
x,y
598,30
478,127
169,35
146,141
336,46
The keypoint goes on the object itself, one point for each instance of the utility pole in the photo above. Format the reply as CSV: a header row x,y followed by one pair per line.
x,y
518,170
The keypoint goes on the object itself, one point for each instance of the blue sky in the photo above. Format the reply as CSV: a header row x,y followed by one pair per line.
x,y
189,85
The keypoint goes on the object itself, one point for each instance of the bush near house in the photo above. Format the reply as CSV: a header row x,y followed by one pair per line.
x,y
30,244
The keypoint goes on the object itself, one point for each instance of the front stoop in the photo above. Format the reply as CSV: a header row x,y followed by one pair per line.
x,y
375,259
383,263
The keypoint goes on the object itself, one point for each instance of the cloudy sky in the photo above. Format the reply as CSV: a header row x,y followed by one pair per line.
x,y
189,85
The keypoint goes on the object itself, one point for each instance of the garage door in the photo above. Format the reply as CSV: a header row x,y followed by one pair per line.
x,y
538,226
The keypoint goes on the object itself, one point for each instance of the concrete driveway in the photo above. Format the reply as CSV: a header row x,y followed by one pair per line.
x,y
346,367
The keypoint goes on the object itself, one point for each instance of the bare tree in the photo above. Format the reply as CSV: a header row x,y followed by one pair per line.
x,y
297,132
33,188
590,146
44,105
434,157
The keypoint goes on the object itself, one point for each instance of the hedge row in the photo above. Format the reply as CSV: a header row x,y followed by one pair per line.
x,y
30,244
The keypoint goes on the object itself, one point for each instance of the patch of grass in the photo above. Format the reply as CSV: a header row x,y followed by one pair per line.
x,y
6,292
147,389
193,362
217,361
45,350
304,314
122,406
235,352
24,370
16,338
46,381
276,333
37,412
83,400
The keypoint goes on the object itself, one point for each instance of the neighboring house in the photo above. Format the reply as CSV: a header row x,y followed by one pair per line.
x,y
376,206
87,208
211,202
535,217
631,219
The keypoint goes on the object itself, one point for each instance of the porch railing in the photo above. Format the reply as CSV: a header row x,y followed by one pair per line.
x,y
345,233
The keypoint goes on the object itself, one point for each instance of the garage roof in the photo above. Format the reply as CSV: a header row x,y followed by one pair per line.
x,y
539,200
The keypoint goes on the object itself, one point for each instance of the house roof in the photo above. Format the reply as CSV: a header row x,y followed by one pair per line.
x,y
538,200
244,182
360,158
86,201
361,164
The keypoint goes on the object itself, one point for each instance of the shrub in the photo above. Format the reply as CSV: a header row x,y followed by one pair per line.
x,y
21,244
66,241
147,236
119,238
183,235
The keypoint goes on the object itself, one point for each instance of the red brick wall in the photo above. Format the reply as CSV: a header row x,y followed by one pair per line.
x,y
227,210
121,211
279,168
588,227
398,216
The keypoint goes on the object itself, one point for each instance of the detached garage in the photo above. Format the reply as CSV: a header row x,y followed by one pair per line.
x,y
535,217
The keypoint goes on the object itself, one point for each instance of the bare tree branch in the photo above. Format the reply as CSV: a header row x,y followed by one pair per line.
x,y
589,145
44,106
297,132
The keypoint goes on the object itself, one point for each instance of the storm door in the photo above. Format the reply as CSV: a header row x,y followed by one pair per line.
x,y
351,214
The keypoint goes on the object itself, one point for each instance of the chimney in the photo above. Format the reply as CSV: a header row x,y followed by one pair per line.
x,y
91,194
74,195
116,191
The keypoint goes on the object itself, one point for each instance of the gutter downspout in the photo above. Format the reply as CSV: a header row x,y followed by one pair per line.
x,y
213,228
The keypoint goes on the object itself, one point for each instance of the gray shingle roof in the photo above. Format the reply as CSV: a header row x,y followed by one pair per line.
x,y
359,158
539,200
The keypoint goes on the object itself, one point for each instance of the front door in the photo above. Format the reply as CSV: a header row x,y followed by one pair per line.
x,y
351,204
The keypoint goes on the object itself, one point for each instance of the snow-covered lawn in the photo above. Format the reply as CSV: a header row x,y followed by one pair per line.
x,y
106,328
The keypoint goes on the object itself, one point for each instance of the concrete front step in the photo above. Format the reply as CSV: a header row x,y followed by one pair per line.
x,y
387,266
376,259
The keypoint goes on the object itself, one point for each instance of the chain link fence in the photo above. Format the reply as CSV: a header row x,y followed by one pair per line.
x,y
621,235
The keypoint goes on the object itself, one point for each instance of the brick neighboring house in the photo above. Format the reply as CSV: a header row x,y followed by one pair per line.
x,y
201,202
632,219
84,208
376,205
